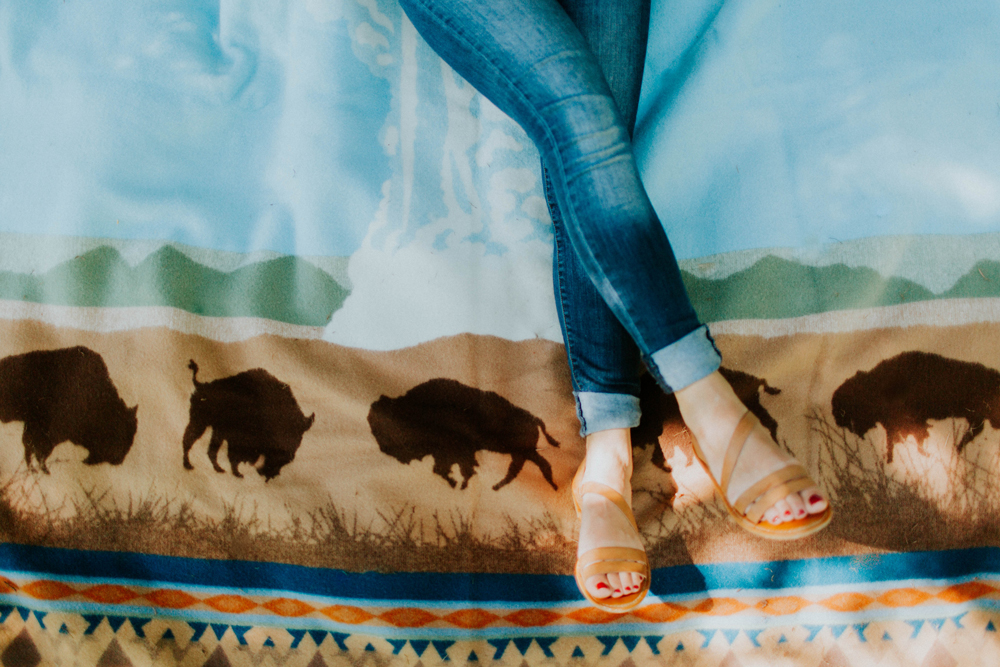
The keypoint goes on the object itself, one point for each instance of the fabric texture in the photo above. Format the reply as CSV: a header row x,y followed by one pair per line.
x,y
285,243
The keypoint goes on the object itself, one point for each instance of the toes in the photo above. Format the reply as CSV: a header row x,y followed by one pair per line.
x,y
626,580
814,500
797,506
598,586
617,589
632,581
783,510
772,516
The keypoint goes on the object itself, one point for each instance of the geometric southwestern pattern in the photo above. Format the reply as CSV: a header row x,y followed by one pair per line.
x,y
239,241
854,622
110,599
31,637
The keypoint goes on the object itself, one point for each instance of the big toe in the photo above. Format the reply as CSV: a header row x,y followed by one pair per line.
x,y
598,586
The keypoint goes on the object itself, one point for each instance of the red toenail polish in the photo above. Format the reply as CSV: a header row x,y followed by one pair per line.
x,y
788,512
601,585
815,498
617,590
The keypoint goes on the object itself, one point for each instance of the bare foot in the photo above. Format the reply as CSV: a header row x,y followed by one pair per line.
x,y
609,461
712,410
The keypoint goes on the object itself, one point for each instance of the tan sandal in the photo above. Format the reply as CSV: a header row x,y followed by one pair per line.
x,y
605,560
749,508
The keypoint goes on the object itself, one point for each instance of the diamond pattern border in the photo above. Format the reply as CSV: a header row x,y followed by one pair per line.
x,y
29,638
416,616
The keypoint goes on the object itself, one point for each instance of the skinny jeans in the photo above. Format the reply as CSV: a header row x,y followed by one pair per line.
x,y
620,297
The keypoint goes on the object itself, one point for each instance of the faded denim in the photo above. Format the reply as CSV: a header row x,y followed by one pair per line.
x,y
619,290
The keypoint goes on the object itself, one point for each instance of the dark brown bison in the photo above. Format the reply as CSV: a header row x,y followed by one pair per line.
x,y
450,421
254,413
66,395
659,409
904,392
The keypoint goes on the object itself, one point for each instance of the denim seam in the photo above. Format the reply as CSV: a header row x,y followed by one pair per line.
x,y
568,334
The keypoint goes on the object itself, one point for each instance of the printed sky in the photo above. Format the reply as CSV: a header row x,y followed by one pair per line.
x,y
770,124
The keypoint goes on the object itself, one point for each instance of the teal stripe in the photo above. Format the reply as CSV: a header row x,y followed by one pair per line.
x,y
479,588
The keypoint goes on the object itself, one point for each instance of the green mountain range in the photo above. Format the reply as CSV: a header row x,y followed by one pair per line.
x,y
286,289
289,289
775,288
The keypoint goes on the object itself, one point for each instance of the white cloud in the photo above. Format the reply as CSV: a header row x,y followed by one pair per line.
x,y
450,258
498,140
506,188
366,35
977,191
325,11
408,295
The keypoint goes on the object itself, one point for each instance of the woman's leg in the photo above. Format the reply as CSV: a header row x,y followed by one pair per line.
x,y
604,367
616,32
604,361
528,59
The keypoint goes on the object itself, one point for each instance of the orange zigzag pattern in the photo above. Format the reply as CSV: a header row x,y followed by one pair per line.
x,y
475,618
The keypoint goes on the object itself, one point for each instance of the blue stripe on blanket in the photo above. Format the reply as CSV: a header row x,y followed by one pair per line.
x,y
479,587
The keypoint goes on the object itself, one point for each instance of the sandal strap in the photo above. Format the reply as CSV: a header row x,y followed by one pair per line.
x,y
609,494
736,443
763,486
609,566
604,560
756,511
754,502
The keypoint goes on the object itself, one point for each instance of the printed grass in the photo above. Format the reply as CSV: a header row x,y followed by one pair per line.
x,y
899,508
935,499
326,537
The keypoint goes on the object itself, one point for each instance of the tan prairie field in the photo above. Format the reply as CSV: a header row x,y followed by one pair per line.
x,y
340,485
344,503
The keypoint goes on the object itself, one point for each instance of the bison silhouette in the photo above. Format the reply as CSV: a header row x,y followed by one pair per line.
x,y
254,413
451,422
66,395
659,408
904,392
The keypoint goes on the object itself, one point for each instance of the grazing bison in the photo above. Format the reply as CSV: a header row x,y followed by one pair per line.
x,y
66,395
659,408
254,413
450,421
904,392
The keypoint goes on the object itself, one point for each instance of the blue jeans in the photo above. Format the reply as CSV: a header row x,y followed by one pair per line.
x,y
620,293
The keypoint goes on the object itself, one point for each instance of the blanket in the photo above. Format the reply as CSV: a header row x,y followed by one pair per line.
x,y
282,381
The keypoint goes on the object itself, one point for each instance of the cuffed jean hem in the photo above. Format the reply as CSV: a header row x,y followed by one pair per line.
x,y
687,360
600,412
